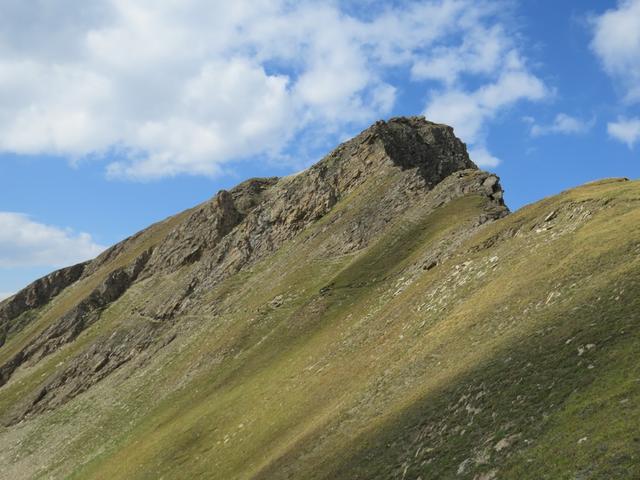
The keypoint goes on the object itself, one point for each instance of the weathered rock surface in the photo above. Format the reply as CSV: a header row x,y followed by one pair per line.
x,y
257,216
67,327
34,296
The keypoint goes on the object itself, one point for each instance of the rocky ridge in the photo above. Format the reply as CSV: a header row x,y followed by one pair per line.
x,y
236,228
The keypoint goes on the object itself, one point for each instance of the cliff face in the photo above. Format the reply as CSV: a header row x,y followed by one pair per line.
x,y
306,326
35,295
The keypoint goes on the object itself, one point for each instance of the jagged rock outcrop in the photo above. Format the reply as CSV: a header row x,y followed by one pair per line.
x,y
34,296
255,218
67,327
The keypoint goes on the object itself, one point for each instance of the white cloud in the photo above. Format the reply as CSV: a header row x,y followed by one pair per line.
x,y
626,130
228,110
480,52
187,87
616,42
469,111
483,158
562,124
26,243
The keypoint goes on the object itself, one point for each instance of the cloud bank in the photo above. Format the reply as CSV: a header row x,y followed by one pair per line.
x,y
161,88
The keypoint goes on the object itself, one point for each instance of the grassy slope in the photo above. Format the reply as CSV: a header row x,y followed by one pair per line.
x,y
516,357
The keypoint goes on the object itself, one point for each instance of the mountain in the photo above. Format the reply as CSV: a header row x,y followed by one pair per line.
x,y
379,315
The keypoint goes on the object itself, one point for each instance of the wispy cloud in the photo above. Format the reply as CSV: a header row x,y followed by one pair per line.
x,y
469,111
562,124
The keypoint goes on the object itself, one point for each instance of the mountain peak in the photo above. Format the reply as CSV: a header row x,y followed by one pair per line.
x,y
349,321
391,178
401,160
430,148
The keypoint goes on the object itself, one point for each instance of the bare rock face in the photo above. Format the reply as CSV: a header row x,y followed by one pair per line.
x,y
257,216
35,295
405,161
208,224
73,322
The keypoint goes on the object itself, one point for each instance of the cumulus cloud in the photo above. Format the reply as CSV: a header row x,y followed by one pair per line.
x,y
481,51
616,42
626,130
562,124
27,243
165,88
469,111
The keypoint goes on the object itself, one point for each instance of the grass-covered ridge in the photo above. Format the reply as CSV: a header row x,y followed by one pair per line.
x,y
478,366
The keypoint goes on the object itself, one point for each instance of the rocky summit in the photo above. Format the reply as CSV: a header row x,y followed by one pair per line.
x,y
378,315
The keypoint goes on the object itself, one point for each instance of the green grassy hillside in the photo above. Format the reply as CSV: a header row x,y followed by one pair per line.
x,y
449,346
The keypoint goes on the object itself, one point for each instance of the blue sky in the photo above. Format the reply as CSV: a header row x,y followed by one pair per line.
x,y
115,114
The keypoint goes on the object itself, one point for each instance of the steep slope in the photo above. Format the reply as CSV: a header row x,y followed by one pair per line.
x,y
375,316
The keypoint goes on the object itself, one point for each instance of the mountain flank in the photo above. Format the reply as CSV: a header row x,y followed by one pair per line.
x,y
378,315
